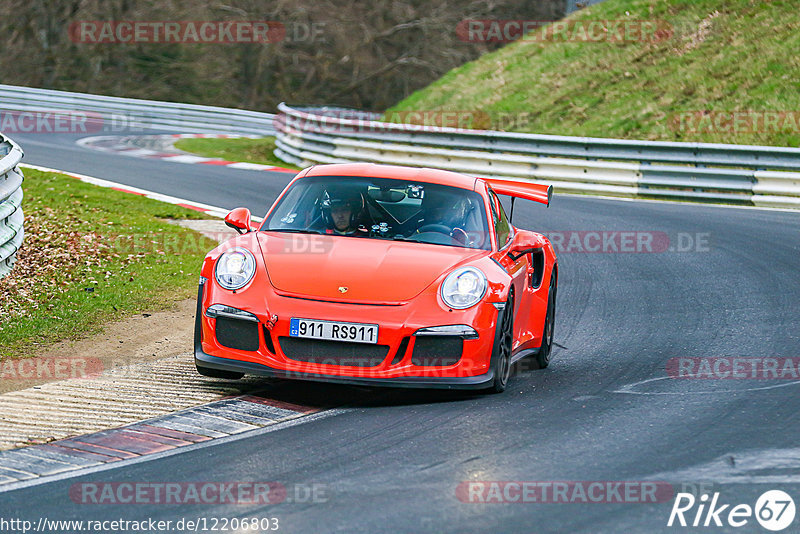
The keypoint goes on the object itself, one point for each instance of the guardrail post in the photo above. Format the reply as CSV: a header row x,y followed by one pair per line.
x,y
12,230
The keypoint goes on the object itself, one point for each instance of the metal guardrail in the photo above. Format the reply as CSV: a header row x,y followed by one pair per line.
x,y
756,175
11,218
753,175
116,113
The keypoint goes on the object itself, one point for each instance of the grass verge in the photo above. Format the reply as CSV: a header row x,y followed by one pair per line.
x,y
92,255
258,150
726,73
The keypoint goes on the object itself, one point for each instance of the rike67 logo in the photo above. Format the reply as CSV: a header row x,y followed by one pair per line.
x,y
774,510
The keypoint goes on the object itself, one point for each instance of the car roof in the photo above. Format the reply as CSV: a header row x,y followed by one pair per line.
x,y
373,170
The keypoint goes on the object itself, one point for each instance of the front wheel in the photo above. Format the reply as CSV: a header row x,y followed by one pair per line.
x,y
501,353
543,356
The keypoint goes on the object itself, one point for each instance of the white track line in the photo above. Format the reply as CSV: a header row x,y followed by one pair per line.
x,y
214,211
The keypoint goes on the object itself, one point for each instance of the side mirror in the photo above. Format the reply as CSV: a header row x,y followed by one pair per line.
x,y
518,250
239,220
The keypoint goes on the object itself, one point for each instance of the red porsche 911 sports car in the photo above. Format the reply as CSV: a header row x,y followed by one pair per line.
x,y
380,275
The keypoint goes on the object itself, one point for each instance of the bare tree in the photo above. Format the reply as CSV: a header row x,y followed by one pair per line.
x,y
360,53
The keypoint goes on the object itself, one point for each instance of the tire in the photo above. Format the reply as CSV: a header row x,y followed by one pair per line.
x,y
501,352
543,356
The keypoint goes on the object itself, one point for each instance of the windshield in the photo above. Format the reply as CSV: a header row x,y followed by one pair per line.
x,y
383,208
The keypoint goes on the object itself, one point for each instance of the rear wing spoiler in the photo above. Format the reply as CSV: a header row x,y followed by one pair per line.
x,y
542,193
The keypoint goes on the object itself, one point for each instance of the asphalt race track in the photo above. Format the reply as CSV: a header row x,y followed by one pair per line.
x,y
227,188
726,284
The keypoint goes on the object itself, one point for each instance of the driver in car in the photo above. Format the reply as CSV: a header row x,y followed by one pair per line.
x,y
444,212
342,212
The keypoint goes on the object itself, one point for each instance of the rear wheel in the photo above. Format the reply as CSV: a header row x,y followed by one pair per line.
x,y
543,356
501,353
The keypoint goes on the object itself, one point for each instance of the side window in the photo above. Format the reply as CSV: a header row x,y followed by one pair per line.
x,y
501,227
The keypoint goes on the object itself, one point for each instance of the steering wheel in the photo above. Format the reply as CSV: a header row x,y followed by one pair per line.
x,y
459,235
440,228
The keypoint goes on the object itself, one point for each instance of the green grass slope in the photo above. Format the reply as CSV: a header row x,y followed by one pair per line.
x,y
92,255
728,73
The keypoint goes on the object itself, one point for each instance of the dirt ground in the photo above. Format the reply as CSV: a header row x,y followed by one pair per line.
x,y
146,337
151,335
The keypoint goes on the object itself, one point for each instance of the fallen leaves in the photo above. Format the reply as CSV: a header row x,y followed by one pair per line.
x,y
59,253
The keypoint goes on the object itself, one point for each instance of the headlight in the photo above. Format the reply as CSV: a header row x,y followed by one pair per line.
x,y
235,268
463,288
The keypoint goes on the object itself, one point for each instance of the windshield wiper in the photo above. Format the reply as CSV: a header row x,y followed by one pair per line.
x,y
400,237
294,231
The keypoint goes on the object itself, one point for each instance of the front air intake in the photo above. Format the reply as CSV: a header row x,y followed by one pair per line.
x,y
437,351
333,352
237,334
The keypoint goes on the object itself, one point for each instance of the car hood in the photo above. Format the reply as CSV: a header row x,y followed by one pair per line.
x,y
371,270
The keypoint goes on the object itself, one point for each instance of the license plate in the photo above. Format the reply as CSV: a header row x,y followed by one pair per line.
x,y
334,330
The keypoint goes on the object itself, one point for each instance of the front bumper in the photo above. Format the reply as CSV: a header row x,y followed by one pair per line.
x,y
463,375
226,364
